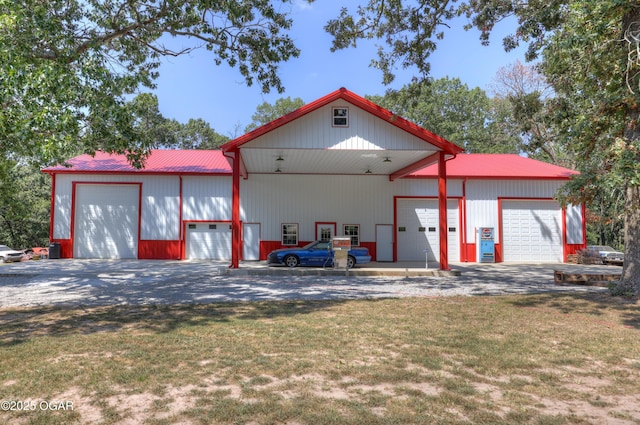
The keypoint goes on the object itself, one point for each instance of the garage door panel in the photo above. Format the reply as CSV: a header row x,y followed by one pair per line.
x,y
532,231
208,241
106,221
419,229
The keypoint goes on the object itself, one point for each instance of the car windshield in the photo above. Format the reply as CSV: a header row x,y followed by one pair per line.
x,y
317,245
603,248
4,248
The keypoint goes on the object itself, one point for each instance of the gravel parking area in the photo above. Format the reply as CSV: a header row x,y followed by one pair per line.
x,y
139,282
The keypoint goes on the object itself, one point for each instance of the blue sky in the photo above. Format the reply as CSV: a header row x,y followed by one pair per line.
x,y
194,87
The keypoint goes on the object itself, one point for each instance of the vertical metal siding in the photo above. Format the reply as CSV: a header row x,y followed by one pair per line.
x,y
206,198
482,199
574,224
160,200
314,131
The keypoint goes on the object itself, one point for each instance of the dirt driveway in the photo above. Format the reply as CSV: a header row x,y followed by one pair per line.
x,y
143,282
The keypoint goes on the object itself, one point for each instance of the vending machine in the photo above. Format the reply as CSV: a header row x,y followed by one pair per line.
x,y
486,252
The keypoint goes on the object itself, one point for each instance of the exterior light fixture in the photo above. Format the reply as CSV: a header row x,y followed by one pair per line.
x,y
387,159
279,158
278,170
368,171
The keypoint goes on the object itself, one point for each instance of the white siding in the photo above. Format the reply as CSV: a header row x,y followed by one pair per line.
x,y
206,198
314,131
160,201
574,224
482,200
304,199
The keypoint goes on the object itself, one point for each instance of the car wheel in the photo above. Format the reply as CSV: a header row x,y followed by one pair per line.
x,y
2,259
291,261
351,262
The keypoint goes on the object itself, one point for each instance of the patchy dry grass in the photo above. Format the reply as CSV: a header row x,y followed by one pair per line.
x,y
552,359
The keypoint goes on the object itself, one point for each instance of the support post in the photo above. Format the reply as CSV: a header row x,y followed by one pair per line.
x,y
235,212
442,208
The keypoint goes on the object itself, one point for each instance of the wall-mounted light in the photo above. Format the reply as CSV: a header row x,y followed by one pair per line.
x,y
278,170
387,159
279,158
368,171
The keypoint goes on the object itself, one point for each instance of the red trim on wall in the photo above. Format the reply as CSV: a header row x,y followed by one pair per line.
x,y
328,223
52,212
73,207
159,250
236,229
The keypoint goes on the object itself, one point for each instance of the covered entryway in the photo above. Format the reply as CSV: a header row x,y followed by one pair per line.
x,y
106,221
532,230
418,229
208,241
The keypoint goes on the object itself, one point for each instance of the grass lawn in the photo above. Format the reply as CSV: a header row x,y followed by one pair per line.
x,y
544,359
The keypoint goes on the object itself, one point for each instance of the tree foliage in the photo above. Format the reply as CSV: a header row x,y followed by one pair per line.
x,y
66,66
25,203
266,112
589,54
449,108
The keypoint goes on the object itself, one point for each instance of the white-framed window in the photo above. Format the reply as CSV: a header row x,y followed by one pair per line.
x,y
340,116
289,234
353,231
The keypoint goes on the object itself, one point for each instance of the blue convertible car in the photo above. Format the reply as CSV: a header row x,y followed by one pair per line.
x,y
316,253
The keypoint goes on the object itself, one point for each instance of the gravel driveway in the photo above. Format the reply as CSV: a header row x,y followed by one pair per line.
x,y
140,282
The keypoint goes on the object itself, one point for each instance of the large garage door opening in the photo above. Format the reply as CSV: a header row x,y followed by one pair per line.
x,y
208,241
419,229
532,231
106,221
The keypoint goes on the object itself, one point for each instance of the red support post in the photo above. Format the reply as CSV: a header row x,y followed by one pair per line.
x,y
235,212
442,207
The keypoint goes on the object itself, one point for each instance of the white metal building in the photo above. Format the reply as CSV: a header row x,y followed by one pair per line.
x,y
338,166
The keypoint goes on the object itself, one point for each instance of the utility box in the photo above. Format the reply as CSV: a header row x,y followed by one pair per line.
x,y
487,248
340,247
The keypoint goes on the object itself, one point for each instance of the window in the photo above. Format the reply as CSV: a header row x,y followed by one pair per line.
x,y
289,234
340,116
353,231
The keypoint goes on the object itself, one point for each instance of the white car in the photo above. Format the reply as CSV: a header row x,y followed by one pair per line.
x,y
607,254
8,255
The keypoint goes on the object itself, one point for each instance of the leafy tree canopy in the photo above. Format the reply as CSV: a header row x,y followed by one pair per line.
x,y
447,107
66,66
266,112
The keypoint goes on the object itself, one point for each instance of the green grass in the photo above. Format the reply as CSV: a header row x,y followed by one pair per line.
x,y
548,359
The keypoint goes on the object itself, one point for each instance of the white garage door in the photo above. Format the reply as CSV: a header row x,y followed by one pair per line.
x,y
532,231
418,229
208,241
106,221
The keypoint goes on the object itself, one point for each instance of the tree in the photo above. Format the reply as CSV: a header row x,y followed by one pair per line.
x,y
25,201
266,112
156,131
589,54
66,66
528,94
448,107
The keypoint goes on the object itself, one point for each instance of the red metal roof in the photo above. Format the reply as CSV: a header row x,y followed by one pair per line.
x,y
358,101
497,166
158,162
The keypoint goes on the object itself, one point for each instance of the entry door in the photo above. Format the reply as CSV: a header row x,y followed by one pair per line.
x,y
384,242
325,231
251,241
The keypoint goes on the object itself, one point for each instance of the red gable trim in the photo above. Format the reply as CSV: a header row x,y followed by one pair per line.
x,y
361,103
